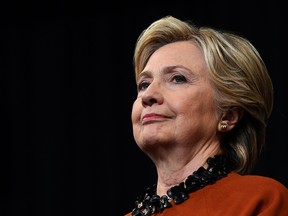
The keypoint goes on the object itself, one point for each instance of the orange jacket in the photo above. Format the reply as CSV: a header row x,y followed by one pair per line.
x,y
235,195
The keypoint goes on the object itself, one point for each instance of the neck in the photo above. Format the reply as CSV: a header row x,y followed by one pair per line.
x,y
169,177
170,173
153,203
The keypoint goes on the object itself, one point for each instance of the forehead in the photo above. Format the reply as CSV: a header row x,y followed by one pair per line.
x,y
185,47
184,53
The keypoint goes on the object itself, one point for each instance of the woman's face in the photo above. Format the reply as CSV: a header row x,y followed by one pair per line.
x,y
175,105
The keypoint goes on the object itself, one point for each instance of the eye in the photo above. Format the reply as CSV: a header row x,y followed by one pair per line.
x,y
179,79
143,85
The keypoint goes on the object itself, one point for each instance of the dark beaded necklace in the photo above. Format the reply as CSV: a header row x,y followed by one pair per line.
x,y
152,203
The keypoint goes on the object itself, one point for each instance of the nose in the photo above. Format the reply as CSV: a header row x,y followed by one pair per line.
x,y
152,95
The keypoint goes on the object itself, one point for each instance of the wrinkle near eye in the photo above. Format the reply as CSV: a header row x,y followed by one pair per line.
x,y
179,79
143,85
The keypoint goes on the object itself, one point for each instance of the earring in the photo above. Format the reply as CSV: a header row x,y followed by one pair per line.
x,y
223,125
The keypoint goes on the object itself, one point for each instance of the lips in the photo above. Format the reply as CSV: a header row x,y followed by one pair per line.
x,y
152,117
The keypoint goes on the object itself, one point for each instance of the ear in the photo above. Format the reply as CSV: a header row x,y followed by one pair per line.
x,y
230,119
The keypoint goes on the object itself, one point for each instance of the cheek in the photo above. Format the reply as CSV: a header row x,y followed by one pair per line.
x,y
199,106
135,118
136,112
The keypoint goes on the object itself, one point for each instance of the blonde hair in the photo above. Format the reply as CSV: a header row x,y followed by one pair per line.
x,y
238,75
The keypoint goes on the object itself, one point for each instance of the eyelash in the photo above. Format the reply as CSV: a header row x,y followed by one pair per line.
x,y
143,85
175,79
183,78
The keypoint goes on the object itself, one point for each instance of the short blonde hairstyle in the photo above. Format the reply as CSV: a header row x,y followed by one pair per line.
x,y
238,75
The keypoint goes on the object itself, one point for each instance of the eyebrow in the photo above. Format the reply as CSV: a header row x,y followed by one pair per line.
x,y
167,69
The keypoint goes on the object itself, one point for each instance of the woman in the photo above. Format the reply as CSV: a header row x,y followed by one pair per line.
x,y
204,98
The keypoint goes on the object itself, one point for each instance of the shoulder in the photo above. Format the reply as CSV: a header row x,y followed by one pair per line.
x,y
255,182
260,187
251,194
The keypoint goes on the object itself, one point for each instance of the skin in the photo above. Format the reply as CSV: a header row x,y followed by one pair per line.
x,y
174,116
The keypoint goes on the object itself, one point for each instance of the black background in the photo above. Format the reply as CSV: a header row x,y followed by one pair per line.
x,y
67,87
